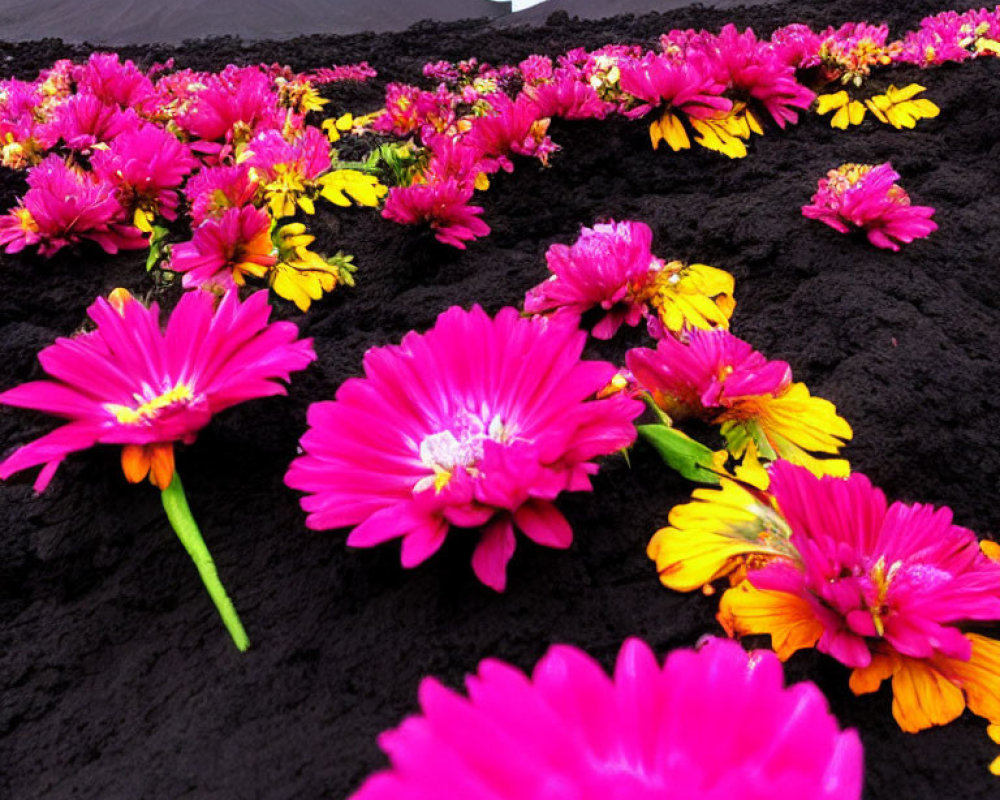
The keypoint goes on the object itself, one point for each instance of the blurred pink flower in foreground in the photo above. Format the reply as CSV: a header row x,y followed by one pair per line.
x,y
709,724
864,196
130,383
478,422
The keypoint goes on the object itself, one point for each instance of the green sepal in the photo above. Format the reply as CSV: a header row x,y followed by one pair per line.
x,y
680,452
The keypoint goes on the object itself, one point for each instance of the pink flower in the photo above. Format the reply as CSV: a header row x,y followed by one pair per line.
x,y
64,206
147,165
213,190
235,103
757,73
307,157
665,81
409,110
224,250
129,383
478,422
712,370
950,36
709,724
514,128
82,121
797,45
451,158
605,266
443,205
865,196
115,83
341,72
568,96
870,571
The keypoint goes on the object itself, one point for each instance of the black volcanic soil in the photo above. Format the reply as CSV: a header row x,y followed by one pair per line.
x,y
118,680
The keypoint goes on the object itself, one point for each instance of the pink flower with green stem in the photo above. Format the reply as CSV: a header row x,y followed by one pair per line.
x,y
130,383
479,423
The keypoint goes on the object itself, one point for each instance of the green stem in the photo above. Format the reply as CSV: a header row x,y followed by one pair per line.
x,y
179,514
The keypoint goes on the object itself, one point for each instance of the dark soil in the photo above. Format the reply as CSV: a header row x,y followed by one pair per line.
x,y
118,678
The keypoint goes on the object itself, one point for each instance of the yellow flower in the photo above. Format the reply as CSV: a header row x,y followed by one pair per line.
x,y
694,295
898,108
849,112
723,531
926,691
727,134
299,96
714,134
787,426
301,275
335,127
340,186
934,691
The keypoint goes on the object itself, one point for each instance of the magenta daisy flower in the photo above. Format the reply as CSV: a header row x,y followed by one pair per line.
x,y
902,574
147,165
865,197
130,383
604,267
443,205
709,724
62,207
478,422
223,251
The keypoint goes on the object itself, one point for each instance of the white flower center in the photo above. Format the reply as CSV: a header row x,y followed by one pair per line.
x,y
458,447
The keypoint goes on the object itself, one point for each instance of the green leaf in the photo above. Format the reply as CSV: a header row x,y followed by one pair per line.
x,y
680,452
157,248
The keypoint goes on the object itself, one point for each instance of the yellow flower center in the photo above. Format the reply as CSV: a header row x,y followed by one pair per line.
x,y
148,410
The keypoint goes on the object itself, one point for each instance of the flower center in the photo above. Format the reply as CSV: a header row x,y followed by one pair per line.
x,y
149,408
458,447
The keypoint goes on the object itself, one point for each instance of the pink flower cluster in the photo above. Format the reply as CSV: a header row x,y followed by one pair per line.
x,y
109,148
470,127
645,733
866,197
952,36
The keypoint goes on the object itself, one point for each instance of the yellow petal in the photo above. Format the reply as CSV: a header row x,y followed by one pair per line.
x,y
827,102
745,610
135,462
715,135
990,549
979,677
161,464
673,133
713,535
